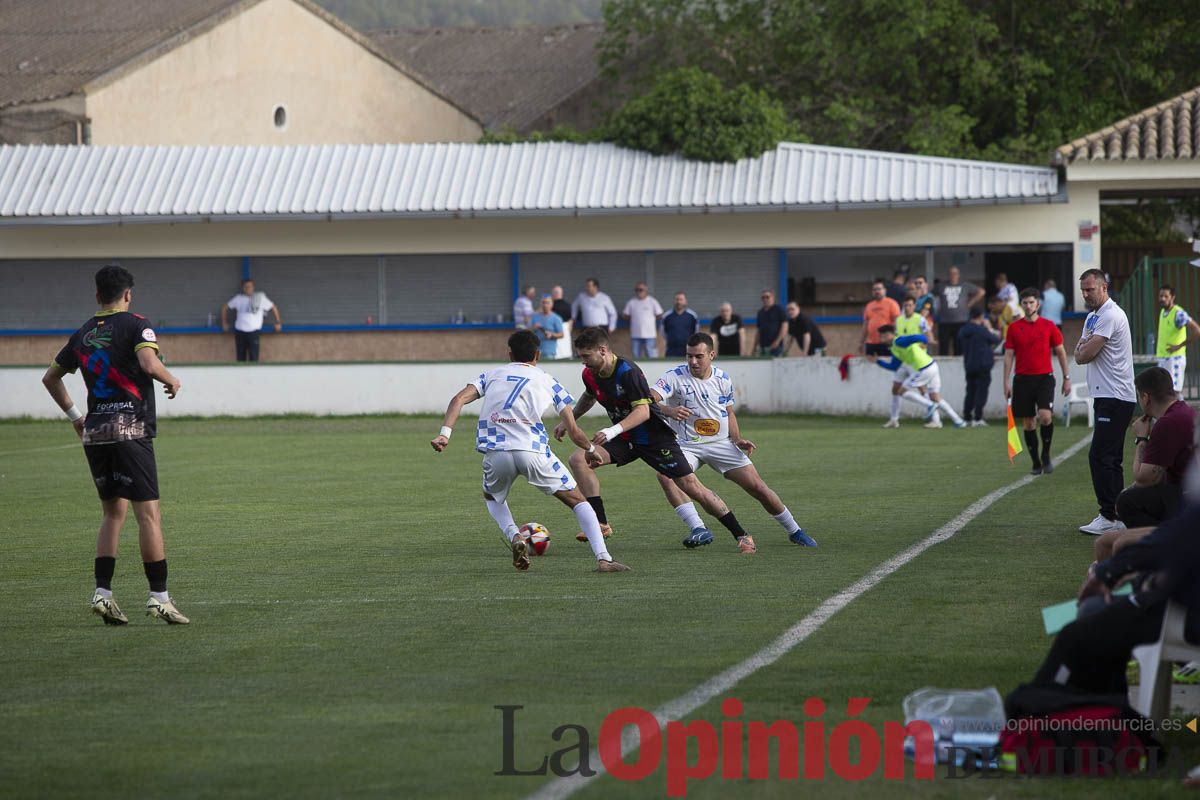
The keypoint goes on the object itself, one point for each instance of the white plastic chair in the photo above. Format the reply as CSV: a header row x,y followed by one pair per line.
x,y
1155,662
1079,394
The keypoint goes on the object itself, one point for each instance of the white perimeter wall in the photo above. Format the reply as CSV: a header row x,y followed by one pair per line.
x,y
800,385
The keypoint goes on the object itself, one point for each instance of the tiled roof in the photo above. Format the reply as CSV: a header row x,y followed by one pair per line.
x,y
55,48
506,77
70,185
1169,130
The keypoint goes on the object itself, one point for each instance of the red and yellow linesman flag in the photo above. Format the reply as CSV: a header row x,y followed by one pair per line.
x,y
1014,437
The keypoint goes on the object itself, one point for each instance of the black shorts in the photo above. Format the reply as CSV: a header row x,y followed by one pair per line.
x,y
1031,392
124,469
665,457
878,349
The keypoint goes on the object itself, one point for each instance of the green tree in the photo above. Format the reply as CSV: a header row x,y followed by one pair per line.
x,y
687,111
998,79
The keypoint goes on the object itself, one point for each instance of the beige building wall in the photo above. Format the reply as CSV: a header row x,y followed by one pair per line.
x,y
223,87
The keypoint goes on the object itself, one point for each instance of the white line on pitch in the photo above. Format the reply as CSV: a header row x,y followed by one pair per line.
x,y
685,704
41,449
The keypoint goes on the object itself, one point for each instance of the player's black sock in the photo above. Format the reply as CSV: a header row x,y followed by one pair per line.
x,y
735,527
1031,444
156,573
1047,435
105,567
598,506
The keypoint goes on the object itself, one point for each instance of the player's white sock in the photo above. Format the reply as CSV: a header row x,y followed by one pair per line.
x,y
895,406
106,593
162,597
785,518
950,412
937,417
913,396
687,513
503,517
591,526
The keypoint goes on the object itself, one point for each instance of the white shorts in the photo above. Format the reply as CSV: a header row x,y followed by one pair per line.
x,y
930,378
1176,365
721,456
546,472
903,373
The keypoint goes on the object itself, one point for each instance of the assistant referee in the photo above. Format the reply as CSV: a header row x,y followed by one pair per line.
x,y
1028,343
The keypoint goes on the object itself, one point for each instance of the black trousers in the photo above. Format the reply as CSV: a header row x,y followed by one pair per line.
x,y
947,333
1148,506
1108,451
1091,653
246,343
977,394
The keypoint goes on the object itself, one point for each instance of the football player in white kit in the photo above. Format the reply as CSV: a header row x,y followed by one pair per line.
x,y
697,400
514,442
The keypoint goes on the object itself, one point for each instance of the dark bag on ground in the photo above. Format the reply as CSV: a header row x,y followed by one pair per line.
x,y
1060,731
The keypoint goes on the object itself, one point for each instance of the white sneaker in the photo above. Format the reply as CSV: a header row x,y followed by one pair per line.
x,y
892,423
933,424
1102,524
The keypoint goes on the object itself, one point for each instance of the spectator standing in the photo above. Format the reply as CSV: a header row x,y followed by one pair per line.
x,y
678,325
1162,451
1172,339
1008,293
251,306
593,308
955,299
804,332
1107,349
523,308
1030,342
977,341
1001,315
727,329
1053,303
643,313
925,300
898,288
772,326
880,310
549,328
563,309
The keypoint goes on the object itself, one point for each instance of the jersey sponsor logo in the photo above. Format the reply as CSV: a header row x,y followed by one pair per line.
x,y
661,384
148,335
707,427
98,338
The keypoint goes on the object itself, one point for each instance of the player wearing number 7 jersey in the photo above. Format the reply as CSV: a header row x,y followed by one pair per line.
x,y
514,442
697,400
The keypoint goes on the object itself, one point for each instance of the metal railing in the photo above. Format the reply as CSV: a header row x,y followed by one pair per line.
x,y
1139,298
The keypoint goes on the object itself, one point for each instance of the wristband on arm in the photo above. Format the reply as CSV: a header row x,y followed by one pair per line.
x,y
73,413
612,432
446,431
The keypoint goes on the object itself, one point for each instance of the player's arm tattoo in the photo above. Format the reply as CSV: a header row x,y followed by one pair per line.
x,y
585,403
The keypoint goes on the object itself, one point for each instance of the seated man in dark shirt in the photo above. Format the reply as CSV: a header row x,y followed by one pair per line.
x,y
803,332
1161,454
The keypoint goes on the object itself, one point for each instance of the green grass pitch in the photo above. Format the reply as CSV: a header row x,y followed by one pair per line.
x,y
355,618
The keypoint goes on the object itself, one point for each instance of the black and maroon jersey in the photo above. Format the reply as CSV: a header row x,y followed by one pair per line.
x,y
120,394
619,392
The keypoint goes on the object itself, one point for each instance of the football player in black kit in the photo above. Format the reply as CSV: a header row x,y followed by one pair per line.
x,y
636,433
118,352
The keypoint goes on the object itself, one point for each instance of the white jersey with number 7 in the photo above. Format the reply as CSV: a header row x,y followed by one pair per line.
x,y
515,396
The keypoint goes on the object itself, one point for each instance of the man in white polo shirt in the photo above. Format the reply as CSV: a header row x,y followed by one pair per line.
x,y
251,307
1107,349
643,313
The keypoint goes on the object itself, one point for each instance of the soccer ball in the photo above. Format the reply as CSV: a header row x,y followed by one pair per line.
x,y
539,537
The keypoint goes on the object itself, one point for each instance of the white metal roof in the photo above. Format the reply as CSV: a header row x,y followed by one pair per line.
x,y
72,185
